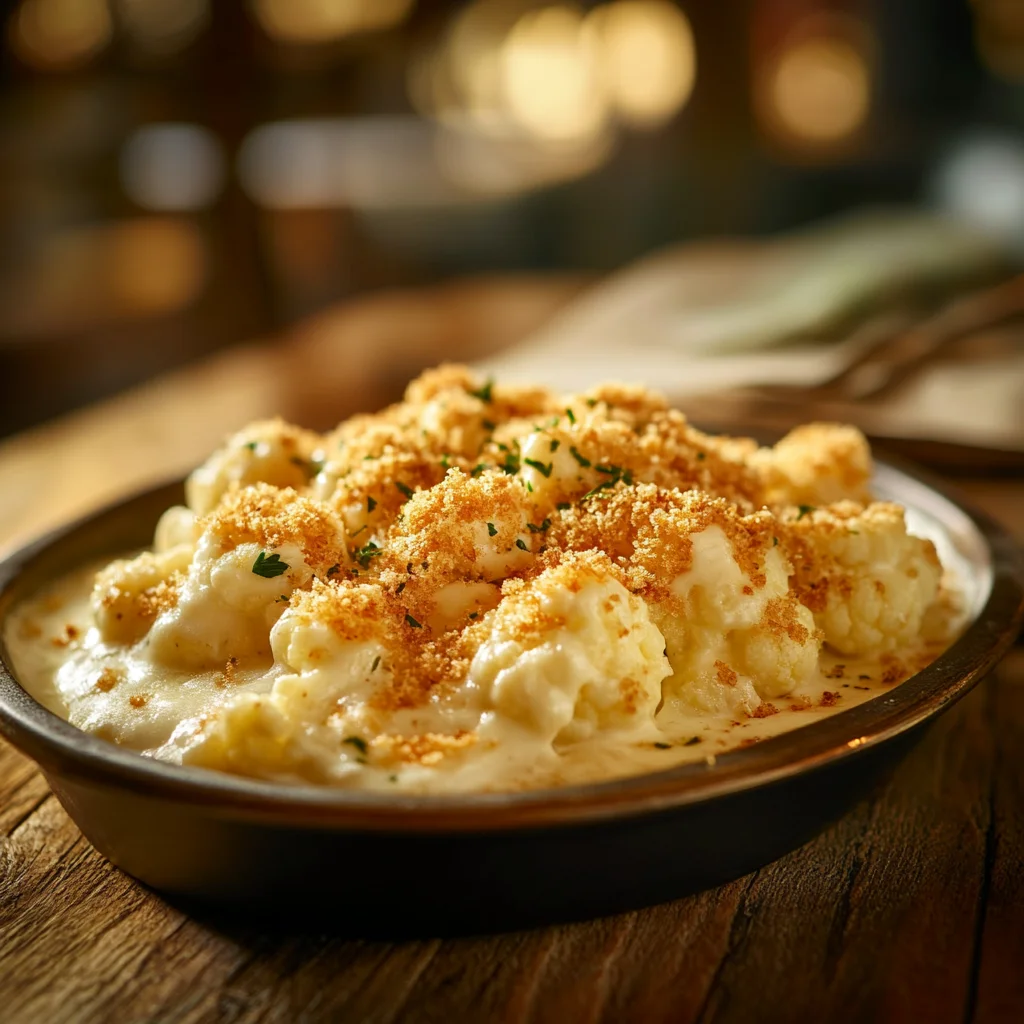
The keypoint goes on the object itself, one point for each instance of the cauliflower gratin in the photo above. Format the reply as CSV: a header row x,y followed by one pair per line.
x,y
488,587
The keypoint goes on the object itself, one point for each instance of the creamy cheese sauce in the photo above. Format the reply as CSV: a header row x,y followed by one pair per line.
x,y
60,658
492,588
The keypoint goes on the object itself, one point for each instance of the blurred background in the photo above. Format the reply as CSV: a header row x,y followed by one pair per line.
x,y
180,175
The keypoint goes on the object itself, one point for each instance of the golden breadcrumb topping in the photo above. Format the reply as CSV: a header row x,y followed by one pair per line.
x,y
474,548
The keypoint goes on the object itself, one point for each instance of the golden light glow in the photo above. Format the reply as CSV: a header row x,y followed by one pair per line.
x,y
999,31
163,26
550,77
320,21
818,90
59,34
154,265
647,58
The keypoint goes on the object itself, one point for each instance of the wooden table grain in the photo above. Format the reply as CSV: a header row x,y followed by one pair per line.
x,y
910,908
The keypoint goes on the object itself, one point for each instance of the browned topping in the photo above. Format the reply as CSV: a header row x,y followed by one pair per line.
x,y
227,676
829,699
725,675
427,749
764,710
107,680
138,700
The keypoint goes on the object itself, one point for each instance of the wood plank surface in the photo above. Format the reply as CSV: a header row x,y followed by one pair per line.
x,y
909,908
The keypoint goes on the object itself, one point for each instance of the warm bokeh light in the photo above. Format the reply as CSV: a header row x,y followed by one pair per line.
x,y
153,265
999,31
550,77
172,167
59,34
163,26
320,21
88,276
819,90
647,58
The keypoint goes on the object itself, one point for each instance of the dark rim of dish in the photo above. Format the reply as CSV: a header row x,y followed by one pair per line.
x,y
66,751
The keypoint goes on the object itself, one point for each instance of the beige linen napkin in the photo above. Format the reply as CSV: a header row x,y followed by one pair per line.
x,y
719,325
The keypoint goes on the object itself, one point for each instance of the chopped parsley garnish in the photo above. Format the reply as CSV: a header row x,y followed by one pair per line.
x,y
404,488
283,597
336,568
445,461
368,458
399,588
412,622
484,393
488,424
663,746
569,413
366,553
581,459
474,615
591,402
563,506
804,510
521,544
701,456
269,566
491,530
376,663
616,474
529,486
555,444
359,531
371,503
538,529
692,741
775,542
544,468
358,742
478,469
251,445
511,463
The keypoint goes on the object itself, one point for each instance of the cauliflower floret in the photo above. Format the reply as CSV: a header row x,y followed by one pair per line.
x,y
464,529
735,637
868,582
815,464
571,652
270,451
254,551
129,594
177,526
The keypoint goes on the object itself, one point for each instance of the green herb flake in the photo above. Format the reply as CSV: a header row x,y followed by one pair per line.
x,y
412,622
251,445
663,746
334,570
572,417
581,459
609,470
371,504
283,598
775,542
474,615
701,456
366,553
376,664
478,469
692,741
805,510
445,461
591,402
555,444
521,544
404,488
511,464
399,588
492,530
544,468
488,424
538,529
269,566
563,506
359,531
358,742
484,393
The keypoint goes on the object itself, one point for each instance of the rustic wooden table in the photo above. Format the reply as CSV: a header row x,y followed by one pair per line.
x,y
910,908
